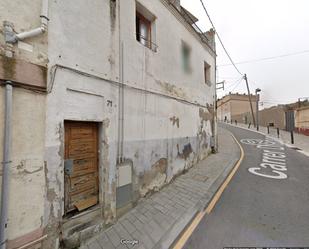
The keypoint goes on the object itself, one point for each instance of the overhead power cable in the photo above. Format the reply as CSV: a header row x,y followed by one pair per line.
x,y
213,26
266,58
237,85
237,82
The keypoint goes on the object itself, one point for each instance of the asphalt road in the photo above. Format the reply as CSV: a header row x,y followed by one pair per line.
x,y
267,207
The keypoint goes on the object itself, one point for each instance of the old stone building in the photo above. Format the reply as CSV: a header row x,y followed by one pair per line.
x,y
110,101
236,107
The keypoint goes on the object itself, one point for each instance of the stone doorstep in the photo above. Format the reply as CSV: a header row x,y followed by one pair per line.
x,y
81,227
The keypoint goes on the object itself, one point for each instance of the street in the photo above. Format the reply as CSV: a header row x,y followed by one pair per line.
x,y
265,204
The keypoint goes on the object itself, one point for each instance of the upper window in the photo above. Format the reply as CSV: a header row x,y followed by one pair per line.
x,y
186,57
207,73
145,27
143,30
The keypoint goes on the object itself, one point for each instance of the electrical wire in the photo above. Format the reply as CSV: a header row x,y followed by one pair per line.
x,y
228,77
219,38
266,58
234,84
237,85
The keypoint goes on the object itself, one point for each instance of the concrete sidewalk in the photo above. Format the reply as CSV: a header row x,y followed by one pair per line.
x,y
301,142
157,221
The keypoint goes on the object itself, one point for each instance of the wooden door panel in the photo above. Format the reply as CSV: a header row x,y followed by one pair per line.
x,y
75,197
80,182
81,150
84,166
81,146
81,132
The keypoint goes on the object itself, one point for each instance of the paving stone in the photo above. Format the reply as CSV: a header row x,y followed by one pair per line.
x,y
104,242
161,208
121,231
130,217
144,239
178,203
121,246
94,245
142,218
128,226
161,220
148,214
138,224
153,217
157,231
113,236
141,246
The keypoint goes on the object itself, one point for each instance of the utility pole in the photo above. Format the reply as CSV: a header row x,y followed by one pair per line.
x,y
253,119
257,107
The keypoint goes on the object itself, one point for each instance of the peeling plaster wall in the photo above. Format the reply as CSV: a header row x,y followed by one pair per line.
x,y
160,130
27,180
159,147
162,71
76,97
89,46
24,15
162,136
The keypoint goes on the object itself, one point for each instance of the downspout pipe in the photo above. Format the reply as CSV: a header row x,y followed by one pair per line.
x,y
6,164
37,31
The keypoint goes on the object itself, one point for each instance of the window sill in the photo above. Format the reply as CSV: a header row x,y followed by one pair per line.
x,y
153,49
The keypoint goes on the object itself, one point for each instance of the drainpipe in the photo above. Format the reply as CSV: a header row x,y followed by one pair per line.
x,y
34,32
120,94
6,164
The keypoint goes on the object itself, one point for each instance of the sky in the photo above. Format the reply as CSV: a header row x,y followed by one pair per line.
x,y
254,29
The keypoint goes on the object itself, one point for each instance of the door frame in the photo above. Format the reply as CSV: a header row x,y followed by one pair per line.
x,y
99,167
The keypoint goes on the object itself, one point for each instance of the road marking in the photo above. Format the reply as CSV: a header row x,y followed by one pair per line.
x,y
251,141
228,179
188,232
273,158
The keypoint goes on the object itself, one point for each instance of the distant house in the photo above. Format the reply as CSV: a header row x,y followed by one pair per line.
x,y
302,120
289,117
236,107
273,116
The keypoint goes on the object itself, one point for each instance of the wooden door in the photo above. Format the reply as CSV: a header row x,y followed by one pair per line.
x,y
81,165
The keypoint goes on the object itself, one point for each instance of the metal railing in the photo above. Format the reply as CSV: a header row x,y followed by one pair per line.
x,y
146,42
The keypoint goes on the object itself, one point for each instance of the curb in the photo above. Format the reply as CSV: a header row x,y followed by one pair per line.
x,y
203,207
274,138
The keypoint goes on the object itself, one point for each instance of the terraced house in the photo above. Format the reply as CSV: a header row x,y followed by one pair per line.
x,y
102,103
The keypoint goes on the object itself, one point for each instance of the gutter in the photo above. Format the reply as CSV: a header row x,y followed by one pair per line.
x,y
6,164
11,37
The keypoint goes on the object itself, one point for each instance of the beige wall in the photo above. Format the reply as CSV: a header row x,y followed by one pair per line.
x,y
27,177
27,171
275,115
302,120
235,107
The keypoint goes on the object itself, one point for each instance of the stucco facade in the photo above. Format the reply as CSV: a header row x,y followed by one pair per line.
x,y
24,64
154,119
274,116
236,107
302,120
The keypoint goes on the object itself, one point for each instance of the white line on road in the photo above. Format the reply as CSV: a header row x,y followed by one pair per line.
x,y
273,158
